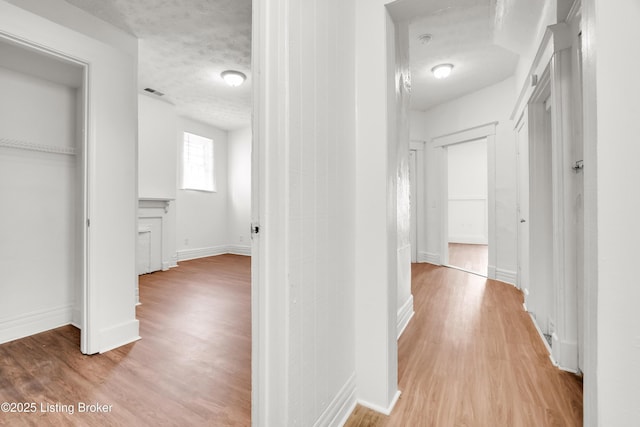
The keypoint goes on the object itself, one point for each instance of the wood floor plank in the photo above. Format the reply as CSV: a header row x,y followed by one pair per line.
x,y
192,366
474,258
472,357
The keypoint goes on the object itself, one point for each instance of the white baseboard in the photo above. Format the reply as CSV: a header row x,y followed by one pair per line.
x,y
405,313
341,406
119,335
239,250
565,354
491,272
188,254
432,258
422,256
166,265
380,409
35,322
506,276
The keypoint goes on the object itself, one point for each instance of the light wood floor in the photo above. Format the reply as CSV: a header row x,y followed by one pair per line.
x,y
192,367
473,258
471,357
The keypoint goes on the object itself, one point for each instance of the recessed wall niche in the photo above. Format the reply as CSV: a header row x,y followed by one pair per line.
x,y
42,190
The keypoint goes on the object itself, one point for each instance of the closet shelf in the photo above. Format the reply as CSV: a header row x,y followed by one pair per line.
x,y
24,145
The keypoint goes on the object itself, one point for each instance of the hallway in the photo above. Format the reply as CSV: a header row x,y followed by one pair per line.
x,y
471,357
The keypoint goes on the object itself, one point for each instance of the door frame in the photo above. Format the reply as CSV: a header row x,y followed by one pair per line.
x,y
419,197
542,280
88,302
522,192
439,145
554,59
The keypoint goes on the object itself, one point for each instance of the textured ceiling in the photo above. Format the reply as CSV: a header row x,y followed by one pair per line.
x,y
184,46
464,36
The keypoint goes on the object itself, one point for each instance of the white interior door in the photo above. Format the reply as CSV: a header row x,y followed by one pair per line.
x,y
522,136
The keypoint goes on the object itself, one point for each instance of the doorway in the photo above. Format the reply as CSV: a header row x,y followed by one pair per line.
x,y
541,227
550,198
471,206
43,185
467,192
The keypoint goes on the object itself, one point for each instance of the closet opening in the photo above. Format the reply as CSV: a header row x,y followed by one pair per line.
x,y
43,170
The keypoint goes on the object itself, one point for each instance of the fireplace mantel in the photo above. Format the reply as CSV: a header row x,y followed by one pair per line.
x,y
154,203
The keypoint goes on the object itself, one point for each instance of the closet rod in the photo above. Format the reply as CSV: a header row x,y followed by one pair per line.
x,y
24,145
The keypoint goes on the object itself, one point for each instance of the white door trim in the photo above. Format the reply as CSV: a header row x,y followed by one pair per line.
x,y
465,135
590,119
420,186
269,296
439,145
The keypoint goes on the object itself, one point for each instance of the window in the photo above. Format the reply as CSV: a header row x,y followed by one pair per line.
x,y
197,163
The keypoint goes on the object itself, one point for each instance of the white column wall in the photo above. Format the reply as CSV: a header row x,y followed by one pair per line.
x,y
611,178
157,165
305,117
401,93
376,208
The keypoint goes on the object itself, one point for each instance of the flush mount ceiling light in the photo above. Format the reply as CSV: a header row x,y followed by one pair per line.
x,y
233,78
442,71
425,38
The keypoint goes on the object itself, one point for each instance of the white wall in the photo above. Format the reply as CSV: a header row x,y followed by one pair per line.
x,y
157,165
239,205
321,213
467,189
306,136
376,207
611,181
401,93
112,156
40,222
493,103
202,228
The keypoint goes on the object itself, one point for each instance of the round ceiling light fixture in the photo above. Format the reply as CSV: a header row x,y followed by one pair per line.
x,y
425,38
233,78
442,71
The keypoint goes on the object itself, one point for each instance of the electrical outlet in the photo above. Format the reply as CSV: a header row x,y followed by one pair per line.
x,y
186,242
241,238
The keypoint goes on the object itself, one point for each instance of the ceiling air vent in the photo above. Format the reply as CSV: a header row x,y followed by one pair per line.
x,y
153,91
